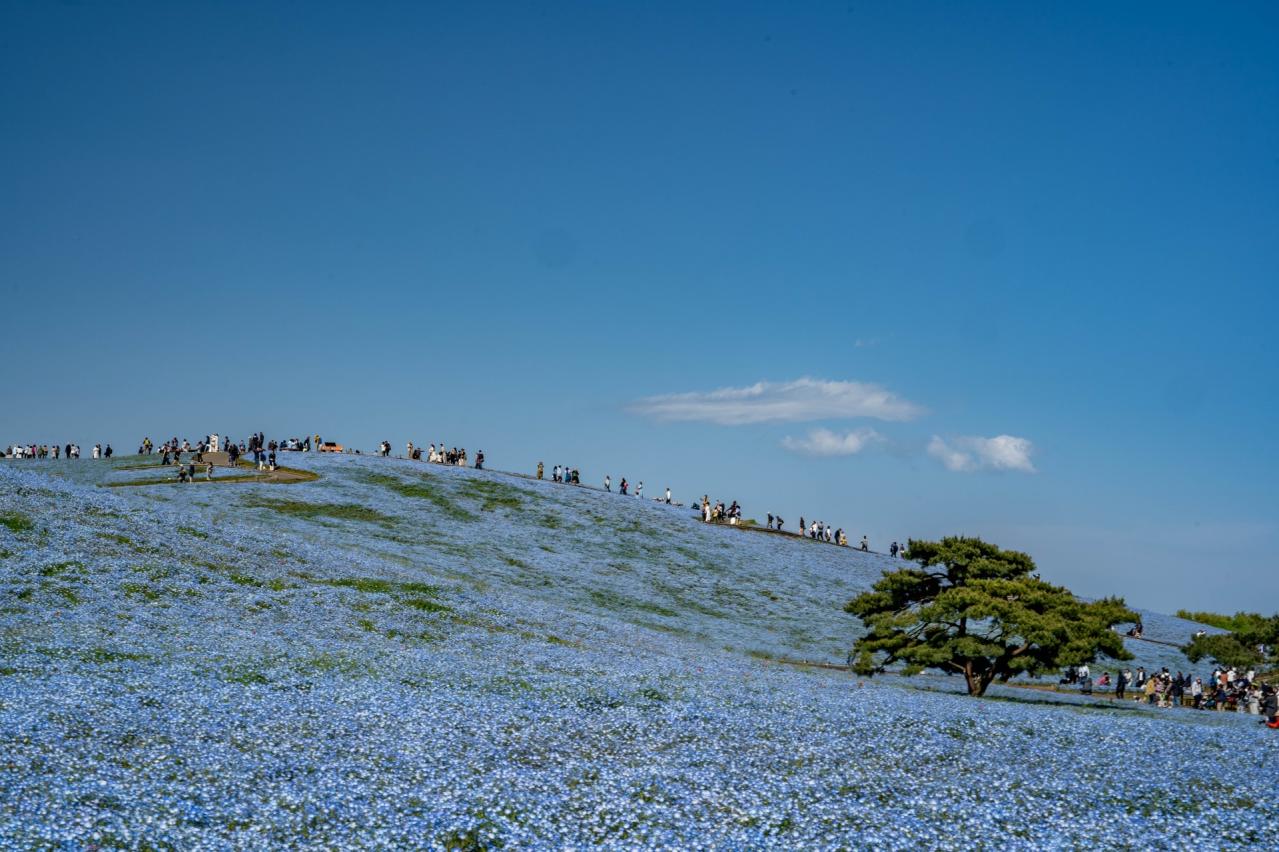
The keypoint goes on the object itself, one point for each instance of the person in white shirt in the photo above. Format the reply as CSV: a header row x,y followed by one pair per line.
x,y
668,496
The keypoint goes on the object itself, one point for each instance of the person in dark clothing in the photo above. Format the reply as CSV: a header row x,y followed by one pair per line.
x,y
1121,682
1269,706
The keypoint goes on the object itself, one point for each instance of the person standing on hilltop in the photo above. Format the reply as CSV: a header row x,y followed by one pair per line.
x,y
479,459
608,483
639,490
668,495
540,470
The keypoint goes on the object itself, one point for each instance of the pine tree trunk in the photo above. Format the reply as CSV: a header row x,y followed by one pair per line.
x,y
974,680
977,681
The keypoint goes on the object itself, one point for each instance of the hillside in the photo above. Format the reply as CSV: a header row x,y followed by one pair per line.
x,y
403,654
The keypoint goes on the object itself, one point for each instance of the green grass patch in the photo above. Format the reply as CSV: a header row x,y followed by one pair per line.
x,y
59,568
426,605
318,511
617,603
192,531
423,488
116,537
245,675
340,663
16,522
68,594
245,580
493,495
376,586
141,590
105,655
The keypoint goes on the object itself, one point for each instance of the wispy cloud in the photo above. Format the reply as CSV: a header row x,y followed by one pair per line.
x,y
967,454
824,442
763,402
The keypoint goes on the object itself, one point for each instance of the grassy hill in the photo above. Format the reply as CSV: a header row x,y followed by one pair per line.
x,y
400,654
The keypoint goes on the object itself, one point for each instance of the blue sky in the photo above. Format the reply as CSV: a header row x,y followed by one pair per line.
x,y
999,269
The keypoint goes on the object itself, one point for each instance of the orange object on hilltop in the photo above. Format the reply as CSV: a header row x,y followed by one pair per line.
x,y
330,447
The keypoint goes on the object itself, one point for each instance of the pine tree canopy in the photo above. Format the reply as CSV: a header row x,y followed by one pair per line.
x,y
1252,644
970,607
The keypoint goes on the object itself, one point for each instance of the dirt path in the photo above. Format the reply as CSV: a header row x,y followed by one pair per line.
x,y
246,473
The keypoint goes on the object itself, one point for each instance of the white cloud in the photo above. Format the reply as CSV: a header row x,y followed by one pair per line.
x,y
802,399
1002,452
824,442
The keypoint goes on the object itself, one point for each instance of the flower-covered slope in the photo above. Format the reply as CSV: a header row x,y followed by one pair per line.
x,y
402,655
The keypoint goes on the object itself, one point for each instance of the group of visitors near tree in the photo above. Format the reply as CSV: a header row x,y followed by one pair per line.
x,y
54,451
1226,689
964,606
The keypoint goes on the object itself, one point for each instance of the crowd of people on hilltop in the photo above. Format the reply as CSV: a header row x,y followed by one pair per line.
x,y
54,451
171,452
264,458
718,513
1226,689
453,456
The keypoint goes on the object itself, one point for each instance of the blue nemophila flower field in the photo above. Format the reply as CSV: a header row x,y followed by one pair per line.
x,y
402,655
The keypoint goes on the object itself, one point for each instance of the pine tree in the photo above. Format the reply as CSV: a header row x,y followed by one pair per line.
x,y
970,607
